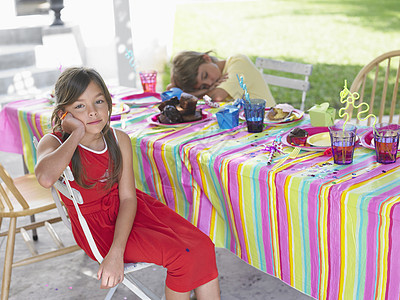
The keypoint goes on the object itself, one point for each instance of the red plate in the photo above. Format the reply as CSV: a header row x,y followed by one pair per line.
x,y
366,139
143,99
311,131
154,120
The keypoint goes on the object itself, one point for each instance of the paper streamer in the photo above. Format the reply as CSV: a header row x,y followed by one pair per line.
x,y
208,101
239,103
276,147
129,55
244,87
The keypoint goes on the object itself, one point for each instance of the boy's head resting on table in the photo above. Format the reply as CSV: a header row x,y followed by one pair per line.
x,y
76,90
192,71
199,74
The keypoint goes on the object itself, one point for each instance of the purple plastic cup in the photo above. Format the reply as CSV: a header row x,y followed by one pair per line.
x,y
343,140
386,139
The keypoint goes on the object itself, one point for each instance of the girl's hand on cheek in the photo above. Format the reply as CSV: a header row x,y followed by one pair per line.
x,y
70,124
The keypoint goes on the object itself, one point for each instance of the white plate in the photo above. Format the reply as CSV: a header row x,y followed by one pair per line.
x,y
119,109
295,116
320,140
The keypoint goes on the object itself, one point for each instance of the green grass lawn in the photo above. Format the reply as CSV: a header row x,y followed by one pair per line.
x,y
338,37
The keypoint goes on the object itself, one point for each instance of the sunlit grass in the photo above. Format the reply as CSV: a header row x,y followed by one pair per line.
x,y
337,37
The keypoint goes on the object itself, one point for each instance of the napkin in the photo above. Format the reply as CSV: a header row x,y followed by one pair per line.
x,y
228,117
321,115
173,92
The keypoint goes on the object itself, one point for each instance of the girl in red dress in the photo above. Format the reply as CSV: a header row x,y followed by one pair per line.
x,y
127,224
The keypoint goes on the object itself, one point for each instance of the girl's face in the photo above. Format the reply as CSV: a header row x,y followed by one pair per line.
x,y
91,109
208,74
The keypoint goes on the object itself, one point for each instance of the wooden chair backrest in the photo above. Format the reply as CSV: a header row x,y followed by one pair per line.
x,y
286,82
9,184
377,81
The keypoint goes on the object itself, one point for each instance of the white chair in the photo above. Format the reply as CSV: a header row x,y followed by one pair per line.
x,y
288,67
62,186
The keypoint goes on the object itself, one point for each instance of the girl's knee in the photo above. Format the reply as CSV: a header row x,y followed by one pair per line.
x,y
203,250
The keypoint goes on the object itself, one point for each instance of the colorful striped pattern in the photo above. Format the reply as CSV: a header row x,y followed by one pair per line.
x,y
330,231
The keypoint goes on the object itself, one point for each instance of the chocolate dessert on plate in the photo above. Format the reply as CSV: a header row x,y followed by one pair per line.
x,y
298,136
180,110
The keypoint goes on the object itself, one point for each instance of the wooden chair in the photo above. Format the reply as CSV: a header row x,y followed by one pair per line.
x,y
377,81
267,64
20,197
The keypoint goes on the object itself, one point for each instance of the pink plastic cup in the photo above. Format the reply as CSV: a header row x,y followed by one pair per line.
x,y
149,81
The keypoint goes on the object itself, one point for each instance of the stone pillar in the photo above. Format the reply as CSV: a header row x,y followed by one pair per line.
x,y
127,75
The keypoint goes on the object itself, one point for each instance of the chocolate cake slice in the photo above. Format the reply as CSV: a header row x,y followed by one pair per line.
x,y
179,111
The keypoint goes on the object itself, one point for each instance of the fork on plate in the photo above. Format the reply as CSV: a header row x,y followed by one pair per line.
x,y
291,155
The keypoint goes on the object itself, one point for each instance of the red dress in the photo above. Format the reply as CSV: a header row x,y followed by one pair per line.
x,y
159,235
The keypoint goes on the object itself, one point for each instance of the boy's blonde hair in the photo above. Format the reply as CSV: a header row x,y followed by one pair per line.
x,y
185,67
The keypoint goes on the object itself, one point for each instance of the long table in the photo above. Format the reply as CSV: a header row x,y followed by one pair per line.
x,y
329,231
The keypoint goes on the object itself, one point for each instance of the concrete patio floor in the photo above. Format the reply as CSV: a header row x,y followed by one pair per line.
x,y
72,276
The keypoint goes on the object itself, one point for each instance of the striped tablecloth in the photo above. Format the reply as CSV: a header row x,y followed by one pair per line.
x,y
329,231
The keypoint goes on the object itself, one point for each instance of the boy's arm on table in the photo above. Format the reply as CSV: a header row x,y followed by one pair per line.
x,y
218,94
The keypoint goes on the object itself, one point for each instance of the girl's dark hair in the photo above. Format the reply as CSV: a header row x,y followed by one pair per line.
x,y
69,87
185,67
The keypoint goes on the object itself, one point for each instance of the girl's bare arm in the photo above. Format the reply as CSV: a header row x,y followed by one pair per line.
x,y
53,158
112,268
